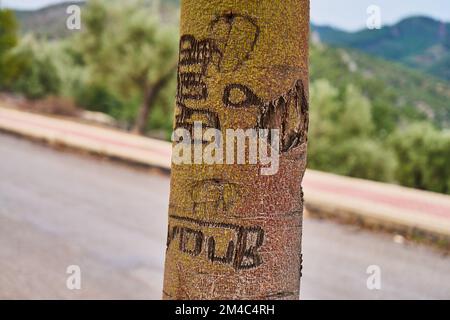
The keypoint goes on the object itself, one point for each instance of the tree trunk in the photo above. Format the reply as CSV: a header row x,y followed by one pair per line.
x,y
150,94
235,228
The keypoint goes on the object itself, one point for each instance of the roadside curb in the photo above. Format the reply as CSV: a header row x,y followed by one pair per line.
x,y
413,213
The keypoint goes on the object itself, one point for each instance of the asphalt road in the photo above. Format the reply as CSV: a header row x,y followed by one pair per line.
x,y
59,209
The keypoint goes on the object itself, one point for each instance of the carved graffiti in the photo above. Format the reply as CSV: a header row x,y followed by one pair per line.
x,y
195,57
289,114
207,238
239,96
186,117
213,196
235,35
194,52
233,38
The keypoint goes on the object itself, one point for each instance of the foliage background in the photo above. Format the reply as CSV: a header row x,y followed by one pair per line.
x,y
375,114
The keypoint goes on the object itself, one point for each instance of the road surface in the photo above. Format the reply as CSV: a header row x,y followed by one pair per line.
x,y
60,209
386,205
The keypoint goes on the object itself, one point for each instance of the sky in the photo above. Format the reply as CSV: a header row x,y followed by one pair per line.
x,y
344,14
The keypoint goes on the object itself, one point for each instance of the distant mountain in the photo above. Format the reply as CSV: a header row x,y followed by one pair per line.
x,y
50,21
396,91
418,42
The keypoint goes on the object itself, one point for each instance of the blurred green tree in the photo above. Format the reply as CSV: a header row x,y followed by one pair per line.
x,y
32,71
424,154
126,48
356,115
8,40
341,138
364,158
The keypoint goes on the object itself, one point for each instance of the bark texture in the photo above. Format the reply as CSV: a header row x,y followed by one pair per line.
x,y
234,233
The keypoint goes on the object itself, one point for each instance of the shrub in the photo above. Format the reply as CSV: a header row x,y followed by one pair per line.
x,y
424,155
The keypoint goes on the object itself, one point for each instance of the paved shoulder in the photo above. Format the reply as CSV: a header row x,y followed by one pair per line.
x,y
384,204
59,209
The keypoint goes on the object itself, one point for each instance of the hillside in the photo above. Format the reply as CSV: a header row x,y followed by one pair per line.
x,y
50,22
406,91
419,42
396,91
47,22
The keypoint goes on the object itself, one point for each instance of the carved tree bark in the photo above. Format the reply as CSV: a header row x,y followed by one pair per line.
x,y
235,233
